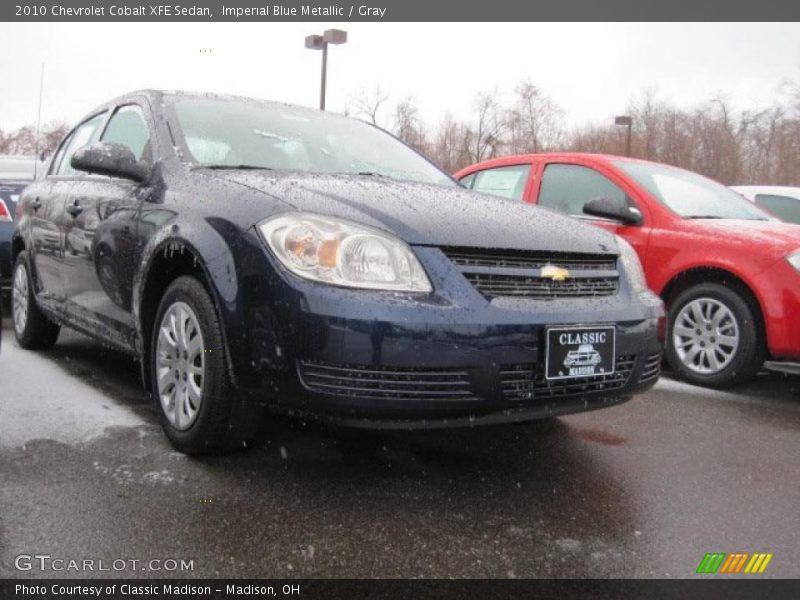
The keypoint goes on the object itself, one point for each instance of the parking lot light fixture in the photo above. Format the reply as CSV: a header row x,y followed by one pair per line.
x,y
320,42
627,122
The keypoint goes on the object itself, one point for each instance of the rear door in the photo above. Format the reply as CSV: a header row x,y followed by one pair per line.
x,y
48,217
567,187
100,237
507,181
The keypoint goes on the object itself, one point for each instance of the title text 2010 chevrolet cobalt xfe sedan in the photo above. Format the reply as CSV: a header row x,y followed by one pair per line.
x,y
257,254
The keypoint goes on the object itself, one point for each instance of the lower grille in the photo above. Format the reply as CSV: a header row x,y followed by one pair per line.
x,y
652,367
522,382
539,287
386,383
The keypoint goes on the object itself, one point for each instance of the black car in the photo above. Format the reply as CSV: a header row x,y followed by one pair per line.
x,y
257,254
15,173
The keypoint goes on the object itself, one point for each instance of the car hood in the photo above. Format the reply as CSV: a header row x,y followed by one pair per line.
x,y
780,238
424,214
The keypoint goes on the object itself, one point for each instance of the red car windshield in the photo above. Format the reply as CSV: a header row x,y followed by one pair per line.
x,y
690,195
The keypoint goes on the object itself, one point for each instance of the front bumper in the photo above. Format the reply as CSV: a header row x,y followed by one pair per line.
x,y
778,290
382,359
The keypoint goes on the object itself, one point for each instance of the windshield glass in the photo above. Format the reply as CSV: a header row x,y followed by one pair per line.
x,y
691,195
238,132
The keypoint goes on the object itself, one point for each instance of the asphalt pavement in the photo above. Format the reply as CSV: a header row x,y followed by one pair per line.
x,y
644,489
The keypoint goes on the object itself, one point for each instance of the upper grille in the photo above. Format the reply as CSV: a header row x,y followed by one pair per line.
x,y
386,383
513,259
524,382
518,274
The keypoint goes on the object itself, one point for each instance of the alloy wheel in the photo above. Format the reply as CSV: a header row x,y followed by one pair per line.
x,y
19,299
705,336
180,365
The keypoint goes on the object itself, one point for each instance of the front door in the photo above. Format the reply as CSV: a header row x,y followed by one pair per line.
x,y
100,249
568,187
48,219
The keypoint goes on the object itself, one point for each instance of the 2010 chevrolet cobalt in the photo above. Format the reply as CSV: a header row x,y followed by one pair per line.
x,y
254,254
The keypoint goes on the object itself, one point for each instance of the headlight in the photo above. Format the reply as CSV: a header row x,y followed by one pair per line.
x,y
633,266
794,259
339,252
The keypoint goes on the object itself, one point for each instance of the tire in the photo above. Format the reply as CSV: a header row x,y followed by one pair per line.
x,y
33,330
195,400
713,338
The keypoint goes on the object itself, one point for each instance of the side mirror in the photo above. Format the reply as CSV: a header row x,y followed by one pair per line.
x,y
115,160
613,208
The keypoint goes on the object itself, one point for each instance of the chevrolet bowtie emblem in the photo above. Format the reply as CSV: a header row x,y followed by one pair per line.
x,y
555,273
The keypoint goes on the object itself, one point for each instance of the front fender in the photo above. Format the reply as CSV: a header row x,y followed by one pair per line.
x,y
209,243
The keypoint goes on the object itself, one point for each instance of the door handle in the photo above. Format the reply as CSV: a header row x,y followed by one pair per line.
x,y
36,204
75,209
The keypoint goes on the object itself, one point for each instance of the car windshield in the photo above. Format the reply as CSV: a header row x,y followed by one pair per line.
x,y
690,195
242,133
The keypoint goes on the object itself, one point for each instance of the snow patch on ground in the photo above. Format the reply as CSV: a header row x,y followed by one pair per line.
x,y
49,404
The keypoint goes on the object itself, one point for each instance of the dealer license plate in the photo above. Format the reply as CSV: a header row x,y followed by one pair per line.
x,y
573,352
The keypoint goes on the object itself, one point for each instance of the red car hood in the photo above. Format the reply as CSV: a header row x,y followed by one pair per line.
x,y
775,237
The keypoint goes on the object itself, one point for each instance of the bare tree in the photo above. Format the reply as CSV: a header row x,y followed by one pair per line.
x,y
489,126
368,103
534,122
408,125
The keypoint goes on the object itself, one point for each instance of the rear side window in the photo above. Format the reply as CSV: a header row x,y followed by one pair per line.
x,y
784,207
83,135
567,188
508,182
129,128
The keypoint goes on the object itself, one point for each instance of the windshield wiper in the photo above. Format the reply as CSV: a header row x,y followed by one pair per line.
x,y
234,167
729,218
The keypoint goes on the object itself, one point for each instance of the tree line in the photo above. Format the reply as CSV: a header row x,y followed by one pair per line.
x,y
732,146
22,141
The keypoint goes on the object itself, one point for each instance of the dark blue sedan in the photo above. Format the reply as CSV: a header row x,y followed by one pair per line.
x,y
253,254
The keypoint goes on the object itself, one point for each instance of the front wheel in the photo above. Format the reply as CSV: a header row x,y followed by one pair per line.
x,y
33,330
713,339
193,394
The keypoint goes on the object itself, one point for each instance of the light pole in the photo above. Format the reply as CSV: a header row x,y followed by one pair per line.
x,y
320,42
628,122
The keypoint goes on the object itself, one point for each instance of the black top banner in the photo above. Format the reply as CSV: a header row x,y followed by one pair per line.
x,y
400,10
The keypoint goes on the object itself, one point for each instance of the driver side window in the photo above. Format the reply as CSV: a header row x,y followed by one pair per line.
x,y
83,135
567,188
129,128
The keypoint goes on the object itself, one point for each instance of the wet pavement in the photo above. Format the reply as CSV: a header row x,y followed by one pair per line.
x,y
644,489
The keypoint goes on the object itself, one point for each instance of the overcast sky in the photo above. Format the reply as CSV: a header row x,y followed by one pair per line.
x,y
591,70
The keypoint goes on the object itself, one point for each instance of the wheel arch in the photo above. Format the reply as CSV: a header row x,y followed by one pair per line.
x,y
707,274
17,246
171,259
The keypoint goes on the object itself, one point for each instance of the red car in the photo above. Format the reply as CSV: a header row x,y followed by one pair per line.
x,y
728,272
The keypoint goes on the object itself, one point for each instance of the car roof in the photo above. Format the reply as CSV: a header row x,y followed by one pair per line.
x,y
17,167
588,157
154,96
